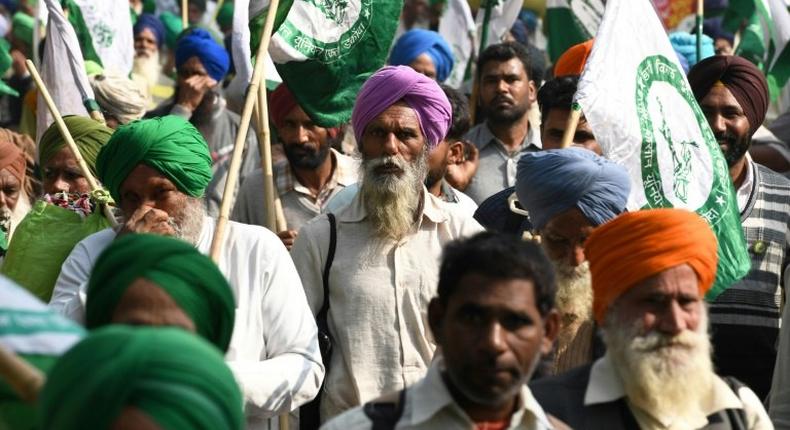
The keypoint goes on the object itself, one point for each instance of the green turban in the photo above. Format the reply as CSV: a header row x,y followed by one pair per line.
x,y
176,378
169,144
89,135
22,26
190,278
173,28
5,64
225,15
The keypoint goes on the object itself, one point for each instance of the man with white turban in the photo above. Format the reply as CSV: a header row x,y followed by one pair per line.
x,y
120,99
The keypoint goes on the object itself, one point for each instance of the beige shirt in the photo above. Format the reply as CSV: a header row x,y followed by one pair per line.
x,y
379,294
606,386
429,405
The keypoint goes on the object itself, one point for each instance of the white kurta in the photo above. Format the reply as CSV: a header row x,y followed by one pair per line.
x,y
274,349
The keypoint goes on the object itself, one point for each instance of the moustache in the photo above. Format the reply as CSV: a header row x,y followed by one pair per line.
x,y
726,138
386,163
655,341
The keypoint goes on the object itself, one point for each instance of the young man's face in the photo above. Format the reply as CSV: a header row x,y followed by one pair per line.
x,y
506,91
492,335
553,127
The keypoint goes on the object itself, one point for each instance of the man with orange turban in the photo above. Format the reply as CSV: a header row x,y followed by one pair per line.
x,y
650,271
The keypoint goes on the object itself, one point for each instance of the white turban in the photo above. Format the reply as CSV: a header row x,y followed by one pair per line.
x,y
119,96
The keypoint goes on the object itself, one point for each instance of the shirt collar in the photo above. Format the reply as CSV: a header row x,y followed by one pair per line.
x,y
744,192
431,208
486,136
344,173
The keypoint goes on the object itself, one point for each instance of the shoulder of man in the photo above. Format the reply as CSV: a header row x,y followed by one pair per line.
x,y
771,178
478,135
460,221
563,394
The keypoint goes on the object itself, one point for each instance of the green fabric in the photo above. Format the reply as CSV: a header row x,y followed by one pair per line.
x,y
81,28
14,413
176,378
189,277
41,243
5,64
169,144
89,135
22,28
149,6
93,68
173,28
225,14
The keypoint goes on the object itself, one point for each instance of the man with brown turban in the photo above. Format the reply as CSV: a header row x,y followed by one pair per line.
x,y
650,271
14,200
745,318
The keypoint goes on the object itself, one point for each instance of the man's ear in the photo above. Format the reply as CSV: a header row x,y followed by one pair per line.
x,y
436,311
533,92
456,153
551,327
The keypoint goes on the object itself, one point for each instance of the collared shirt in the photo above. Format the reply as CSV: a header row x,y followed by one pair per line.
x,y
429,405
497,169
299,203
744,192
274,349
606,386
379,293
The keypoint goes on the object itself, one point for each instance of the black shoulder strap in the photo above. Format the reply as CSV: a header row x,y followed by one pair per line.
x,y
321,318
385,415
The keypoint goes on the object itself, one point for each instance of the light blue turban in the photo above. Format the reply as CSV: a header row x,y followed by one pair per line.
x,y
553,181
415,42
685,45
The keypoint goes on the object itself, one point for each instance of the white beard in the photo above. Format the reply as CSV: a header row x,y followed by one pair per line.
x,y
391,200
148,68
574,290
191,224
666,376
14,217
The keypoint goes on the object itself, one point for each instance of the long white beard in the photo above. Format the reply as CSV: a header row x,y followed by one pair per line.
x,y
392,200
666,376
574,290
148,68
191,224
14,217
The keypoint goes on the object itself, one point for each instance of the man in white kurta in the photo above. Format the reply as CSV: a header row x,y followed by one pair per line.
x,y
274,350
389,241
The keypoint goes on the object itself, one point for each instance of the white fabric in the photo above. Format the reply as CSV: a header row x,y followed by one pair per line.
x,y
274,349
379,294
110,25
457,27
606,386
743,192
429,405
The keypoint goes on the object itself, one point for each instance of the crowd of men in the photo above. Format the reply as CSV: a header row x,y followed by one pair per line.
x,y
432,270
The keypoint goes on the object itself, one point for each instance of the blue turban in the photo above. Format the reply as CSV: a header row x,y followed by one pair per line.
x,y
553,181
685,44
199,43
415,42
150,22
391,84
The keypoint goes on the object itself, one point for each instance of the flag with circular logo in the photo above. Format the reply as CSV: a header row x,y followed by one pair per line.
x,y
638,102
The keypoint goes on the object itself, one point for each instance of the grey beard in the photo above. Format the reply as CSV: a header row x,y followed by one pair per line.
x,y
148,68
191,224
392,201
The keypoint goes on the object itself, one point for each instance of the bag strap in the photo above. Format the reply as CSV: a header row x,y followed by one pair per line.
x,y
385,415
321,318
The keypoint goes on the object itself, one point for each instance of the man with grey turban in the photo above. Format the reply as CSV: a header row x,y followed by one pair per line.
x,y
567,193
388,241
119,98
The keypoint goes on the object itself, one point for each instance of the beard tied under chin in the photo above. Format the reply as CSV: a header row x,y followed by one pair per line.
x,y
392,200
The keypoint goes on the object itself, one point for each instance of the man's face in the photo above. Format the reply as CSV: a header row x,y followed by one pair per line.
x,y
306,145
723,47
553,127
563,237
145,187
728,122
424,64
492,335
395,132
10,190
145,43
506,93
194,14
191,67
437,163
62,173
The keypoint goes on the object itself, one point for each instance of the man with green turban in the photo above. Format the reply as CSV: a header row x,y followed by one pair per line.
x,y
145,279
157,171
59,169
141,377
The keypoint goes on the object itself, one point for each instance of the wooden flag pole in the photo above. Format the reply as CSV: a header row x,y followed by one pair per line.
x,y
184,14
241,137
700,16
64,132
25,379
570,128
265,145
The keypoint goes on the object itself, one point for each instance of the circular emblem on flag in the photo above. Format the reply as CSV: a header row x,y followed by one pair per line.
x,y
341,25
679,152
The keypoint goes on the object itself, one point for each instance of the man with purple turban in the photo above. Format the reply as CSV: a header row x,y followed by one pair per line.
x,y
745,318
370,270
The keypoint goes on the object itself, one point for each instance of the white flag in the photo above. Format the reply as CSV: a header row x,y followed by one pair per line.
x,y
457,27
503,15
110,25
63,71
638,102
243,10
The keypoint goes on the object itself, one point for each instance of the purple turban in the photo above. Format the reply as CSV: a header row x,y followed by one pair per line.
x,y
394,83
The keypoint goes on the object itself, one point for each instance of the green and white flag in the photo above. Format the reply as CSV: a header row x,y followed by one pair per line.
x,y
764,39
110,26
240,44
457,27
570,22
504,14
638,102
324,51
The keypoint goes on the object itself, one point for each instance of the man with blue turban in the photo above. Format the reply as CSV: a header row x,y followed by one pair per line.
x,y
202,63
157,171
388,242
567,193
424,51
149,38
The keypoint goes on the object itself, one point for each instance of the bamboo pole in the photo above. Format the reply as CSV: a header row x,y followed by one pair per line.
x,y
279,217
25,379
264,142
700,16
570,128
184,14
241,137
64,132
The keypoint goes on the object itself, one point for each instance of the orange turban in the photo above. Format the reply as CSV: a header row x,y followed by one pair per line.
x,y
13,159
572,61
637,245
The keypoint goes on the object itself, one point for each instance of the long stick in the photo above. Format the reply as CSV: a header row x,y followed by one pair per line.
x,y
700,15
25,379
570,128
64,132
241,137
184,14
264,142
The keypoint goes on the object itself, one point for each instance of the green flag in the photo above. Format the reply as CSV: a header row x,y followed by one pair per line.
x,y
569,22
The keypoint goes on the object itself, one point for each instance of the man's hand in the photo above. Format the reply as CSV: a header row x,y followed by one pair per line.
x,y
192,90
463,162
288,237
148,220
